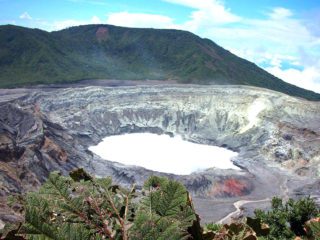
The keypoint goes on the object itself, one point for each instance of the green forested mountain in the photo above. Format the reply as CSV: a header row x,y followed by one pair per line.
x,y
32,56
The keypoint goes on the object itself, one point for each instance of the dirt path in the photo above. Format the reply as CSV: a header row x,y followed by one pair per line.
x,y
285,189
238,210
285,195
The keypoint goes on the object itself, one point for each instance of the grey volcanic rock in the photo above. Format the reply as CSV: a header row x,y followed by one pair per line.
x,y
277,137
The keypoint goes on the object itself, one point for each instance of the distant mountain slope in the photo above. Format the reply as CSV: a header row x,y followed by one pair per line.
x,y
32,56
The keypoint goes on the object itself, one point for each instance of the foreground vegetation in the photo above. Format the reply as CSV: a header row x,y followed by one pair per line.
x,y
32,56
80,207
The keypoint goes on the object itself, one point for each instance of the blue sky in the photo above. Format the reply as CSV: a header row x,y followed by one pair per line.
x,y
282,36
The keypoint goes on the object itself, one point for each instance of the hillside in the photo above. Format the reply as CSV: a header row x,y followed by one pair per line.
x,y
32,56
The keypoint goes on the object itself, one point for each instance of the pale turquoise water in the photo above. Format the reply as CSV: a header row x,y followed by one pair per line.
x,y
163,153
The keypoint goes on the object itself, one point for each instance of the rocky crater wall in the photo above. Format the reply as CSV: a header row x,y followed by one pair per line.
x,y
271,125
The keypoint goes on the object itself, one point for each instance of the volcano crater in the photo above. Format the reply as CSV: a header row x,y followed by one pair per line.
x,y
51,129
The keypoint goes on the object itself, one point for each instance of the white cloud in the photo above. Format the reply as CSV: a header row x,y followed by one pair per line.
x,y
308,78
304,71
283,36
58,25
287,32
262,57
207,13
141,20
25,16
211,10
274,42
279,13
95,20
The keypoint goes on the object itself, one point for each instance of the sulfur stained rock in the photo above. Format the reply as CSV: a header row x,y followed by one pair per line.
x,y
231,187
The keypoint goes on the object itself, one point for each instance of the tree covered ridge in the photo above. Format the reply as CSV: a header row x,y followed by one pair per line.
x,y
32,56
82,207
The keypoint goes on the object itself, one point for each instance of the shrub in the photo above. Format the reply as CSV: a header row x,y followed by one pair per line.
x,y
312,228
165,212
81,207
287,220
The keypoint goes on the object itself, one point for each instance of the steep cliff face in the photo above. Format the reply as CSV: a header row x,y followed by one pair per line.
x,y
277,136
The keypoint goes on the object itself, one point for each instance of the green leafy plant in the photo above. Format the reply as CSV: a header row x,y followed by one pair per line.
x,y
10,231
235,231
287,220
78,208
299,212
82,207
248,228
214,227
166,212
210,230
312,228
261,229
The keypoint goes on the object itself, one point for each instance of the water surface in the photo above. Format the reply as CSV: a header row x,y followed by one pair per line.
x,y
163,153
